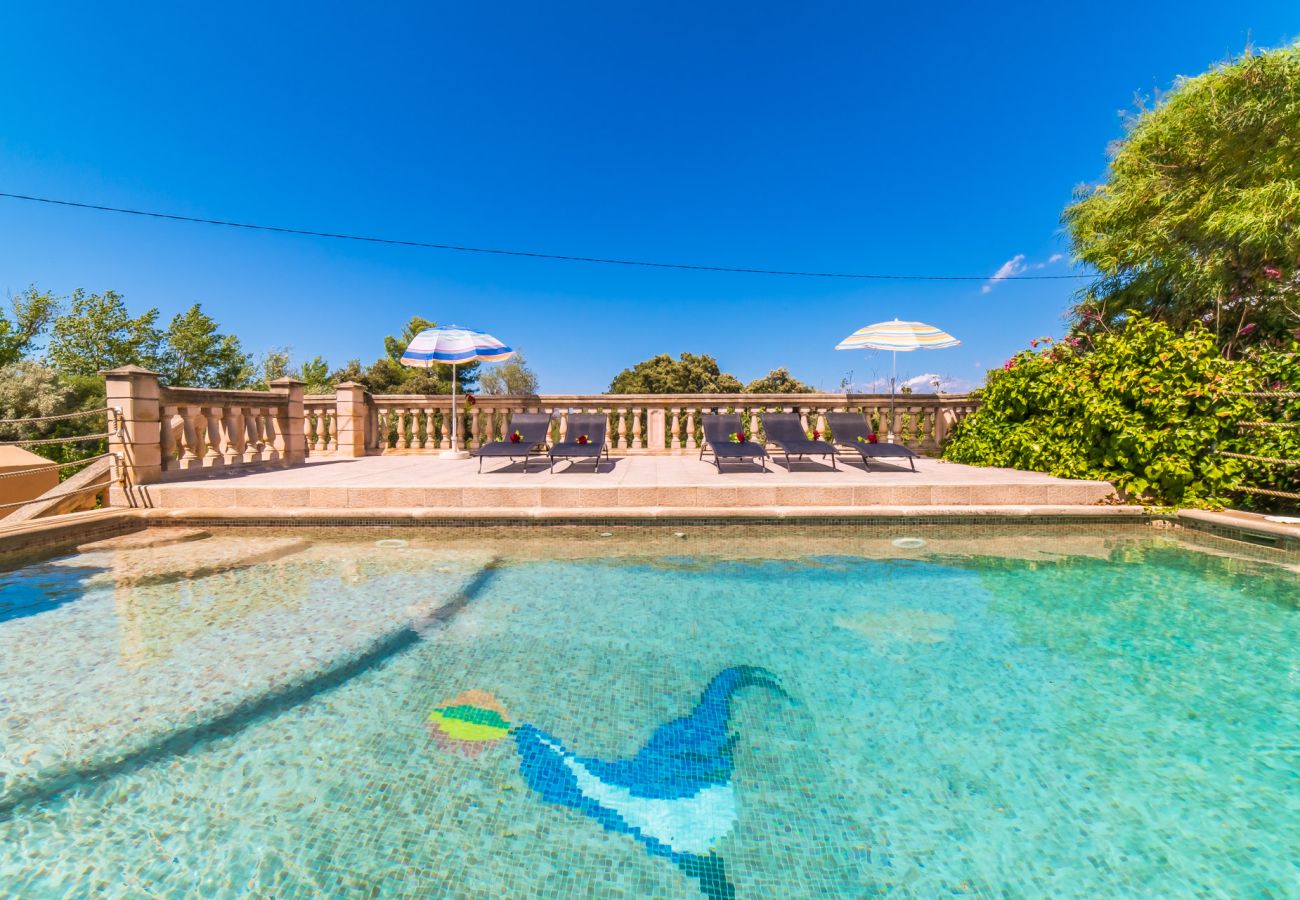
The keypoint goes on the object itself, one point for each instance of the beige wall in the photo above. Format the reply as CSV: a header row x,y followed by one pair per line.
x,y
23,476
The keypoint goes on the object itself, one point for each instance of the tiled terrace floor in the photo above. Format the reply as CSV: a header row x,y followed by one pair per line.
x,y
636,482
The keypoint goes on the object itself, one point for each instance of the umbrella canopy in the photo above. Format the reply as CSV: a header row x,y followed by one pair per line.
x,y
900,337
451,345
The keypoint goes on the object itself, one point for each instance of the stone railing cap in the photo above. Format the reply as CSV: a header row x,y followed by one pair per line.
x,y
129,369
287,381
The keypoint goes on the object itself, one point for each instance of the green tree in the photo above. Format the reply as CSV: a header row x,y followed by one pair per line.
x,y
196,354
1199,218
30,315
688,374
777,381
512,377
1145,408
97,332
276,363
315,374
387,375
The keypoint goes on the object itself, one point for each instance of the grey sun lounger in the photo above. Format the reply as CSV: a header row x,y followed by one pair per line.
x,y
534,430
786,431
846,428
718,428
594,426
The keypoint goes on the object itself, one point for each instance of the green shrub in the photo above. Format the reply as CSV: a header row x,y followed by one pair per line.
x,y
1142,407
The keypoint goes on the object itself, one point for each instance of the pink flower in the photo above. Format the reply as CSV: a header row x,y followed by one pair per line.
x,y
1246,329
1008,365
1272,273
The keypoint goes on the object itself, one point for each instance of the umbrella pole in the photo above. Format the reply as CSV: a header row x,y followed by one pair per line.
x,y
454,452
893,377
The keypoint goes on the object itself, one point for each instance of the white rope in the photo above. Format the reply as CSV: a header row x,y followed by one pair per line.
x,y
36,442
59,418
58,466
50,498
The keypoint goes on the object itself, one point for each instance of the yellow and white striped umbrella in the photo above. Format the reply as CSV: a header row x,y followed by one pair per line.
x,y
899,336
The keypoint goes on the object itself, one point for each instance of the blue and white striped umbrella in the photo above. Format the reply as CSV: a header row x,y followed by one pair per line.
x,y
451,345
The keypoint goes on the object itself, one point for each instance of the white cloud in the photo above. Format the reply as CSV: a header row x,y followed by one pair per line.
x,y
921,384
1016,265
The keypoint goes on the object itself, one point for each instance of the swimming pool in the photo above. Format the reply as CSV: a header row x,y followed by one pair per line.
x,y
630,712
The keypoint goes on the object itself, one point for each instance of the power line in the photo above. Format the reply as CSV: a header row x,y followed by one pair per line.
x,y
529,253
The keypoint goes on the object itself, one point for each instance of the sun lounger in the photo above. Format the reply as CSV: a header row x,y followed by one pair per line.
x,y
786,431
593,427
718,429
851,430
534,430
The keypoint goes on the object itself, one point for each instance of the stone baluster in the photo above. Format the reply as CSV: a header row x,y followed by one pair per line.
x,y
213,453
821,420
254,445
691,443
189,458
167,438
232,436
753,420
636,428
676,442
624,439
475,438
444,442
564,425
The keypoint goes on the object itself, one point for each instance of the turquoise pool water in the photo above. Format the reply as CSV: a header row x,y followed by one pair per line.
x,y
489,714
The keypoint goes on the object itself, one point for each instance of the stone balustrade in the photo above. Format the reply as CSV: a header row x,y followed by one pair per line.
x,y
170,432
638,423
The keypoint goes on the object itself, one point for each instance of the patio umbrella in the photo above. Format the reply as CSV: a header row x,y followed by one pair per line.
x,y
897,336
452,345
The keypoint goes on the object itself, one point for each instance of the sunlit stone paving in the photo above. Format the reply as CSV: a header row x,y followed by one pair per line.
x,y
659,712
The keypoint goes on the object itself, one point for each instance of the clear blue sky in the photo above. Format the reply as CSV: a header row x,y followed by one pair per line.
x,y
872,137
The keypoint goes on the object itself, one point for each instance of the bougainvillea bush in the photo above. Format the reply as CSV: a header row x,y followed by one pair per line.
x,y
1141,406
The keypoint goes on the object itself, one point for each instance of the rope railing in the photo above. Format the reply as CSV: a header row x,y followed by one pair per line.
x,y
1264,395
113,413
59,466
50,498
62,417
36,442
1268,492
1268,424
1272,460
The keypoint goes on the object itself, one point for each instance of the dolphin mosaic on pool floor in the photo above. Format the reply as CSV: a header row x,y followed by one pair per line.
x,y
675,795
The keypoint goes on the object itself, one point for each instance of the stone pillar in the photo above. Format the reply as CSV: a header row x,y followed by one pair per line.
x,y
292,422
135,391
656,433
350,414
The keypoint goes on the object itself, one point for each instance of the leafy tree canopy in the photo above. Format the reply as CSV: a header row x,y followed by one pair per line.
x,y
512,377
777,381
688,374
387,375
196,354
97,332
30,315
1144,407
1199,220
